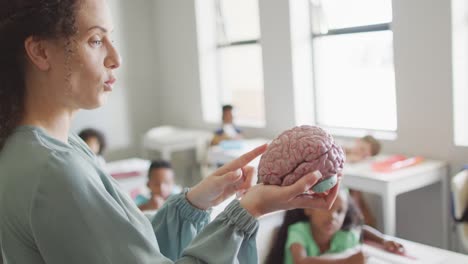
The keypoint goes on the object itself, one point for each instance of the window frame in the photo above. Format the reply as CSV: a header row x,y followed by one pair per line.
x,y
337,130
222,45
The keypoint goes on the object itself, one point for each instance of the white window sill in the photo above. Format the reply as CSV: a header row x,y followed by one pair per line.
x,y
357,133
242,123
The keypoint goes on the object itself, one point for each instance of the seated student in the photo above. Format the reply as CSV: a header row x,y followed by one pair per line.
x,y
362,148
161,185
306,234
96,143
228,129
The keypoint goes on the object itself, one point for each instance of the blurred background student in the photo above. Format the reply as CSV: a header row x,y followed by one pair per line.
x,y
228,129
161,184
307,234
362,149
96,142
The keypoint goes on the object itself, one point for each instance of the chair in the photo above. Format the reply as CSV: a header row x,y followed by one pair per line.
x,y
459,187
268,228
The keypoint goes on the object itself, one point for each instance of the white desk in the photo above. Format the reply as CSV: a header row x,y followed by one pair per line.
x,y
361,177
218,155
168,139
417,254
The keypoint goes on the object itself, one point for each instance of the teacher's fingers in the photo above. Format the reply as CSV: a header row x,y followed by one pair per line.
x,y
241,161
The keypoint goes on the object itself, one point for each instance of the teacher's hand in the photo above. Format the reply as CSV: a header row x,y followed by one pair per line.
x,y
233,177
262,199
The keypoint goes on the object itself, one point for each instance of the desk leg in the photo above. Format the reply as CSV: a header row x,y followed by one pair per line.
x,y
389,213
445,211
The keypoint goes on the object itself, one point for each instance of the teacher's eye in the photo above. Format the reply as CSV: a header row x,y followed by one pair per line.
x,y
96,43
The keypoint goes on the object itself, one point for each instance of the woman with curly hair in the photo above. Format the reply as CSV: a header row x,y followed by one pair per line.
x,y
57,205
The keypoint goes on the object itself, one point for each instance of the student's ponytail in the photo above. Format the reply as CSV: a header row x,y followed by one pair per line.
x,y
353,217
276,255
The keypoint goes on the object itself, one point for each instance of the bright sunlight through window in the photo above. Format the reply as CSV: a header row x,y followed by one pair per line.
x,y
354,80
240,76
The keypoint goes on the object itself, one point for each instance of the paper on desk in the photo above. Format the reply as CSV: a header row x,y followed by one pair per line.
x,y
373,260
418,256
349,252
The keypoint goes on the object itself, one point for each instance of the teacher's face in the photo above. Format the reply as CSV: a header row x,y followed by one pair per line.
x,y
84,64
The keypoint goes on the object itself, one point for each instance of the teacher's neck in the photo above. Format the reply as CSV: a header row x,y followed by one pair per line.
x,y
56,125
44,111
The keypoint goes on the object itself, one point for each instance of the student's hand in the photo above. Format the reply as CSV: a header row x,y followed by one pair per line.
x,y
356,258
262,199
157,202
233,177
393,246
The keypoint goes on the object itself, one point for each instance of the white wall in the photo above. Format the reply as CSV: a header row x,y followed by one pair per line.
x,y
180,98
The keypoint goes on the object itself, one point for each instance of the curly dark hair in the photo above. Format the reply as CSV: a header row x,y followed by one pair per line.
x,y
19,20
352,219
87,133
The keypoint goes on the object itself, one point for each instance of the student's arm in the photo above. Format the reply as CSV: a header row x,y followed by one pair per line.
x,y
300,257
374,235
75,220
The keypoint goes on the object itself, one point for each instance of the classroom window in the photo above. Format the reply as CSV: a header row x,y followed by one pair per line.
x,y
460,68
353,73
239,60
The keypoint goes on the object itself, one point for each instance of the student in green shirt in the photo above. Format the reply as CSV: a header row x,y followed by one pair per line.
x,y
57,205
306,234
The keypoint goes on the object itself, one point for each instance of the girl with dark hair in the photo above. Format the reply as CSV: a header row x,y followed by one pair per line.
x,y
308,233
94,139
96,142
57,205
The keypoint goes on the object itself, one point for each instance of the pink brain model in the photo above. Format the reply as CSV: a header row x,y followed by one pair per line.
x,y
298,151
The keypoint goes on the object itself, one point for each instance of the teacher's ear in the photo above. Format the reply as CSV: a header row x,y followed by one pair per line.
x,y
38,52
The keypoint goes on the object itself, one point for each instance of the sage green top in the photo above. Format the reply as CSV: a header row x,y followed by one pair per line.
x,y
57,205
300,233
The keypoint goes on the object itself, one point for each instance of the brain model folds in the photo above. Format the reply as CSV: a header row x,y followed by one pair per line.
x,y
298,151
